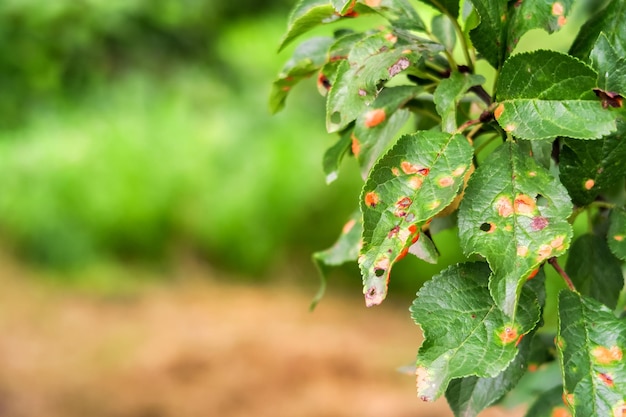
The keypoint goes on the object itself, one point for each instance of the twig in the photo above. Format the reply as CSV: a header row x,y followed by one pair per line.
x,y
555,264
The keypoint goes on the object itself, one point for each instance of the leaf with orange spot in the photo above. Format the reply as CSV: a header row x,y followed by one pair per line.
x,y
371,60
602,161
345,249
594,270
585,327
546,94
529,209
617,233
461,326
376,139
433,155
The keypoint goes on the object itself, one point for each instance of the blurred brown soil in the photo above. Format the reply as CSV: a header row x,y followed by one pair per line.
x,y
198,348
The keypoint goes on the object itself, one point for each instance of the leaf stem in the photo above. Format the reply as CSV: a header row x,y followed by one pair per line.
x,y
603,204
468,124
555,264
464,45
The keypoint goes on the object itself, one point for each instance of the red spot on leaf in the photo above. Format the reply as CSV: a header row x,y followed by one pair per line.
x,y
605,356
355,145
524,205
374,117
558,9
620,410
415,182
619,238
400,65
323,81
538,223
607,379
404,203
409,168
589,184
445,181
533,274
393,232
519,340
532,367
508,335
373,3
371,199
498,111
504,205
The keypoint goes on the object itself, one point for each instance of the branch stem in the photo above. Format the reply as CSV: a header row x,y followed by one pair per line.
x,y
555,264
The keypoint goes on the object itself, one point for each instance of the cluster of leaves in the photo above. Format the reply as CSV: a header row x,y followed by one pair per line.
x,y
550,135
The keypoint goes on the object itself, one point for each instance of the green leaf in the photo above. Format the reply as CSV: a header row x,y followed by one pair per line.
x,y
617,233
591,342
419,176
609,20
549,404
587,168
541,150
514,214
443,29
545,94
448,94
526,15
610,66
345,249
369,142
343,6
306,15
399,13
465,333
594,270
375,58
449,7
468,396
334,155
489,36
307,59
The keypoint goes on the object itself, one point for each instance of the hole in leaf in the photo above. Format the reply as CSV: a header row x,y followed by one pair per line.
x,y
485,227
379,272
541,200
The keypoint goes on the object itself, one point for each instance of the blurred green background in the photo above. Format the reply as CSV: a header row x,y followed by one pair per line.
x,y
134,131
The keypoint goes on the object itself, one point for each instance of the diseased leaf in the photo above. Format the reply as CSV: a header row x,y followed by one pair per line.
x,y
343,6
468,396
376,58
345,249
545,94
419,176
372,135
305,16
550,404
334,155
617,233
594,270
609,20
526,15
591,342
307,59
484,339
448,94
514,213
610,66
588,168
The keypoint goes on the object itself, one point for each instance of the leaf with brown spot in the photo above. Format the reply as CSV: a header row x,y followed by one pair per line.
x,y
525,232
458,298
585,325
410,170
